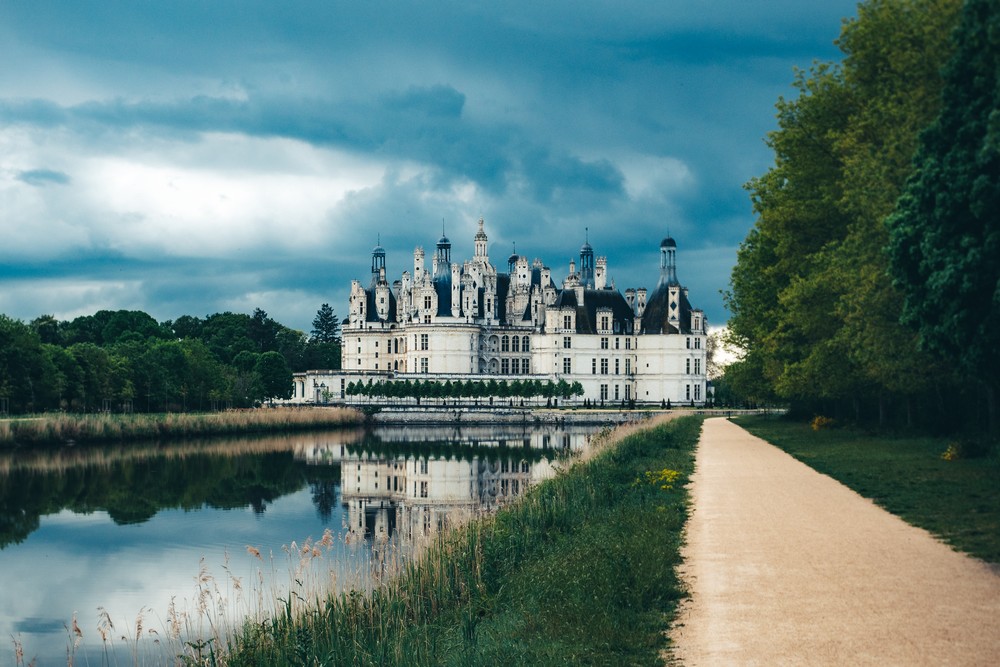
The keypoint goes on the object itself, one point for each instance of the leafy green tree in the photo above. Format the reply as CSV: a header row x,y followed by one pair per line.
x,y
945,234
274,376
812,306
47,327
263,331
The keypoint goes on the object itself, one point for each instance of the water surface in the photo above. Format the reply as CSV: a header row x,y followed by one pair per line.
x,y
167,542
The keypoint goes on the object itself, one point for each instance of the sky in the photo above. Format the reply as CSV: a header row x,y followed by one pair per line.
x,y
192,157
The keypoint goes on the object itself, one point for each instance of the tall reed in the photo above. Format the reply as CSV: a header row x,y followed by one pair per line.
x,y
104,427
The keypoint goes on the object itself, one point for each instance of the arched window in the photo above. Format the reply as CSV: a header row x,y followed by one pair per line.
x,y
515,344
505,344
524,344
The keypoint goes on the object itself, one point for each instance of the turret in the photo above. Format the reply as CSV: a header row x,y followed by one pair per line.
x,y
668,262
442,257
481,241
378,260
587,264
418,265
601,273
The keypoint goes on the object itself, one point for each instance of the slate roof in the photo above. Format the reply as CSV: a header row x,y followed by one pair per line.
x,y
655,319
593,299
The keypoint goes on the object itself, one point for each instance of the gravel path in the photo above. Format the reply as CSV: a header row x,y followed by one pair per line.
x,y
789,567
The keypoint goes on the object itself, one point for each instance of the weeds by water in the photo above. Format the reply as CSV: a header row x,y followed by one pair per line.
x,y
955,498
105,427
582,570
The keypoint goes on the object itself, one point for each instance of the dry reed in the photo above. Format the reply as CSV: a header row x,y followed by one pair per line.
x,y
62,428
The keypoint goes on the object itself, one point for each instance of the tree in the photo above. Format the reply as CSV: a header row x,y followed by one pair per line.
x,y
263,331
273,375
326,326
945,233
812,308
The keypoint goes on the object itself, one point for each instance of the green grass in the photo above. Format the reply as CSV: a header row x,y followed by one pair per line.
x,y
580,571
958,500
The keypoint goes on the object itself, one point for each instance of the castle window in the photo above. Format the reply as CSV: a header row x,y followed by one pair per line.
x,y
617,341
697,343
567,342
524,344
427,303
604,366
505,344
628,367
604,392
604,343
687,392
628,343
423,364
616,392
697,366
567,321
505,366
687,366
515,344
697,392
604,323
689,343
593,366
567,365
424,345
616,368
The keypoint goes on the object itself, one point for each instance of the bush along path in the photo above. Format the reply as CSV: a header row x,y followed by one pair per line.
x,y
580,571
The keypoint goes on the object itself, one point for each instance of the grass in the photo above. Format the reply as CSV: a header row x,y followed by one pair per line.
x,y
60,428
957,500
580,571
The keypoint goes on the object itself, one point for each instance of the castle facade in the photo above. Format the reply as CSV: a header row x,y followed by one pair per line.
x,y
470,320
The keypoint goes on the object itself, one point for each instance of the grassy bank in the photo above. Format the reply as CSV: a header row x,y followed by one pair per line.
x,y
958,500
581,571
61,428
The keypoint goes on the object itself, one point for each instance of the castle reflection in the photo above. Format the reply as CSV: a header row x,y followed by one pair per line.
x,y
405,485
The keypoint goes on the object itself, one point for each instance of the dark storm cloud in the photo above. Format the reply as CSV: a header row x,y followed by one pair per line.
x,y
424,124
631,119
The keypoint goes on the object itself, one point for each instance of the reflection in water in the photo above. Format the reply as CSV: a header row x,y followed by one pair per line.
x,y
131,527
403,486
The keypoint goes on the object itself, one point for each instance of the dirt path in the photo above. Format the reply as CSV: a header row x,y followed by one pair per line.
x,y
788,567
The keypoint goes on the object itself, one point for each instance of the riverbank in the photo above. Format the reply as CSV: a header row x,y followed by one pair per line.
x,y
582,570
503,414
52,429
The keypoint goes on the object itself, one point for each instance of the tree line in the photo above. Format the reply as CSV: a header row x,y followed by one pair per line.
x,y
469,389
125,360
869,286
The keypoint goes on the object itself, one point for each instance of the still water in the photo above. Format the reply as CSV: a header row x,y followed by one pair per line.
x,y
124,553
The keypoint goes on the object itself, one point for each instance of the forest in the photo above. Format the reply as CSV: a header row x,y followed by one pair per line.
x,y
868,289
125,360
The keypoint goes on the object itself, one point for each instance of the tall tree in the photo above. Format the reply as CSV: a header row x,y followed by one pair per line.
x,y
326,325
945,234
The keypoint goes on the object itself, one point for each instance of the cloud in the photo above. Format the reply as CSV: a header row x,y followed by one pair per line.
x,y
43,177
208,158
